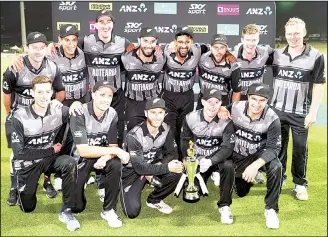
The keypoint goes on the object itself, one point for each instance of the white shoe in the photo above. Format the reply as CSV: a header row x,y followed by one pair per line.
x,y
58,184
259,178
226,216
301,192
215,176
112,218
91,180
272,220
101,193
161,206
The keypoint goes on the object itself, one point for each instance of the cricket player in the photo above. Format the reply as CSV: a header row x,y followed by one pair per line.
x,y
154,156
95,136
37,131
299,81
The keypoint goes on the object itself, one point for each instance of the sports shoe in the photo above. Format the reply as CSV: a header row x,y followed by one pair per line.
x,y
101,193
301,192
71,222
12,197
226,216
58,184
272,220
161,206
49,189
215,176
91,180
259,178
112,218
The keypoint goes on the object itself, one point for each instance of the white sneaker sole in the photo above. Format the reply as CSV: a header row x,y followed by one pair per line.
x,y
113,226
152,206
62,220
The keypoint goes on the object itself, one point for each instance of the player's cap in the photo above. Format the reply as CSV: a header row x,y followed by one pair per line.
x,y
35,37
259,89
148,32
184,30
155,103
212,93
105,12
219,39
102,83
68,29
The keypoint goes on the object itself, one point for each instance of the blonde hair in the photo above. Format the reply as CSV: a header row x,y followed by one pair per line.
x,y
41,80
296,21
250,29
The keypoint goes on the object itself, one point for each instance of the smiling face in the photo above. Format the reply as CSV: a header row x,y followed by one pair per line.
x,y
69,44
147,45
102,98
42,94
250,41
105,26
256,104
155,117
211,107
37,51
294,35
183,44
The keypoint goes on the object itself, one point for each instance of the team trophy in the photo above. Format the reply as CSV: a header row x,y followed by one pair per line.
x,y
190,192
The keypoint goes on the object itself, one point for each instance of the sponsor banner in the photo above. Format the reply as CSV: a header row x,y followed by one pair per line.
x,y
77,24
228,10
228,29
134,8
67,6
166,29
199,29
132,27
97,6
197,9
266,11
92,27
165,8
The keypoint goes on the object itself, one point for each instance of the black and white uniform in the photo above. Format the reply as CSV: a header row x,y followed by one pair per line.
x,y
213,140
88,129
141,85
292,97
103,61
32,139
148,156
255,139
224,77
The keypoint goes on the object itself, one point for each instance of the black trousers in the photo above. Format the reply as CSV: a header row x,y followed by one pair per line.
x,y
111,178
133,184
8,130
28,177
294,122
178,106
273,170
225,101
227,176
134,112
118,103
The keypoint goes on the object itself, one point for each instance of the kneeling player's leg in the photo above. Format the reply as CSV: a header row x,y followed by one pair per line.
x,y
227,176
131,188
274,182
27,181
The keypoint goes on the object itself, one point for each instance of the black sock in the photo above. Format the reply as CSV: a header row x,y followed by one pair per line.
x,y
13,179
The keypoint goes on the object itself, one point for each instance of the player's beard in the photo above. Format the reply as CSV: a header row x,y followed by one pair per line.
x,y
148,55
183,55
153,124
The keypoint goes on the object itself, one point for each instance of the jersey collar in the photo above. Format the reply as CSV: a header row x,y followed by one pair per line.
x,y
35,115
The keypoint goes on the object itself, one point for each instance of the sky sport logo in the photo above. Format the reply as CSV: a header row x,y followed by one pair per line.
x,y
165,8
92,26
228,10
77,24
199,29
67,6
263,29
259,11
132,27
97,6
166,29
197,9
134,8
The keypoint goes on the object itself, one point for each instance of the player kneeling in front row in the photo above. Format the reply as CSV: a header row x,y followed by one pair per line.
x,y
257,144
213,138
154,156
37,131
95,136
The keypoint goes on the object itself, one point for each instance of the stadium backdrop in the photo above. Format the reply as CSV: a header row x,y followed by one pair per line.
x,y
206,19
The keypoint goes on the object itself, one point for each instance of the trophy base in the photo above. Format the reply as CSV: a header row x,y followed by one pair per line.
x,y
190,197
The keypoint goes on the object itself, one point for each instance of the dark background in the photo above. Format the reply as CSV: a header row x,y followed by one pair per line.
x,y
38,17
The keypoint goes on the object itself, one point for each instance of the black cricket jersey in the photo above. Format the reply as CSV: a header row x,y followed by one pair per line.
x,y
213,140
294,79
19,85
145,150
251,136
